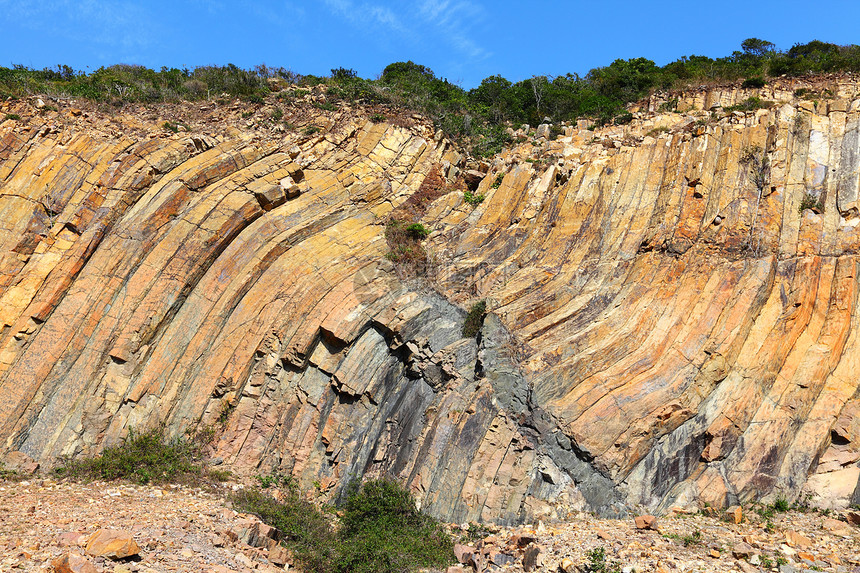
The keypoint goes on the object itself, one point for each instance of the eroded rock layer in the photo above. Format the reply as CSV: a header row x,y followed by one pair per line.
x,y
667,325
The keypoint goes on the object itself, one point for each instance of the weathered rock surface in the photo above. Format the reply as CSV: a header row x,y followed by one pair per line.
x,y
112,543
667,328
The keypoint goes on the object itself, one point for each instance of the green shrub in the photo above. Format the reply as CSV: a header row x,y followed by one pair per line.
x,y
417,231
754,82
380,530
498,182
657,131
277,114
310,130
809,201
326,106
141,458
781,505
306,530
623,118
377,118
405,250
750,104
598,563
670,105
170,126
474,319
472,199
12,116
383,532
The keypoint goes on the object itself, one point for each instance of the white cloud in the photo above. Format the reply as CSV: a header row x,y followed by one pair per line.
x,y
446,20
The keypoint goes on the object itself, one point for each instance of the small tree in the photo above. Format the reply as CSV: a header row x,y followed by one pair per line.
x,y
757,47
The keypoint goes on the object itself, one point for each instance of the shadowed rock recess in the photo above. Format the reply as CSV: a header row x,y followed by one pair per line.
x,y
666,327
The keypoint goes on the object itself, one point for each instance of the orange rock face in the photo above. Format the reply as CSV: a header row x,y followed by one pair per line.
x,y
112,543
72,563
666,327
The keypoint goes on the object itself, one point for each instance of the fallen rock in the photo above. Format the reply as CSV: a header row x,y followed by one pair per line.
x,y
257,534
463,552
795,539
280,555
112,543
742,550
532,557
522,539
69,538
72,563
543,130
646,522
500,559
836,526
20,462
735,514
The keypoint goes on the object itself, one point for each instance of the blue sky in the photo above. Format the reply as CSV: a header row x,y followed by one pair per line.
x,y
461,40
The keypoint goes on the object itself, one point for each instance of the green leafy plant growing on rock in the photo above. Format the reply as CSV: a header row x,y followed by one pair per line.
x,y
657,131
12,117
668,106
472,198
377,118
498,182
405,249
810,201
598,562
170,126
750,104
475,319
142,458
417,231
277,479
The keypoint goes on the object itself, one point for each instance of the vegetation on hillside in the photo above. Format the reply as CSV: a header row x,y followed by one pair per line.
x,y
477,116
379,530
143,458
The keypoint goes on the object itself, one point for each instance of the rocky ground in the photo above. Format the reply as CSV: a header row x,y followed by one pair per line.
x,y
177,528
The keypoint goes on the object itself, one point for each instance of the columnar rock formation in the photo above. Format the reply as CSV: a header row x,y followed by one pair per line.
x,y
667,326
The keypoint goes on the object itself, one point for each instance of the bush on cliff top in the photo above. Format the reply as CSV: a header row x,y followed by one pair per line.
x,y
476,117
380,530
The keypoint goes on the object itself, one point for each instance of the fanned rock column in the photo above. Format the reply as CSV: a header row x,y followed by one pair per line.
x,y
667,327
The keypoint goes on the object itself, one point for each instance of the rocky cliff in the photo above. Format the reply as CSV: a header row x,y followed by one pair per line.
x,y
667,325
